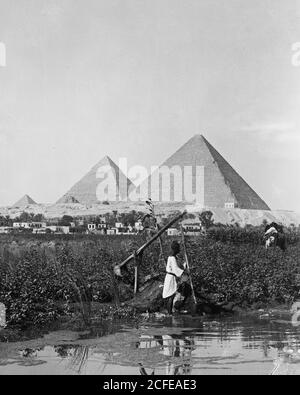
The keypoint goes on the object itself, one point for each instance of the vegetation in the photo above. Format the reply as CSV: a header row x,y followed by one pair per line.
x,y
43,277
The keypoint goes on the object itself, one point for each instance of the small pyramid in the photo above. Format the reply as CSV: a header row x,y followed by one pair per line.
x,y
220,184
25,201
88,191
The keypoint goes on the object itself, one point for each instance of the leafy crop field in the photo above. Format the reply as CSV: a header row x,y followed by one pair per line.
x,y
42,277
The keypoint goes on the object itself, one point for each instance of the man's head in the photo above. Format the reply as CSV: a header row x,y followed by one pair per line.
x,y
175,248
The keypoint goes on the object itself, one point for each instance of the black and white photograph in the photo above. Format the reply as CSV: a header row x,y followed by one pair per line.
x,y
149,190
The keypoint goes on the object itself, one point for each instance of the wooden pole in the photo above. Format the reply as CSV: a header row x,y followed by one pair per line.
x,y
115,288
136,274
187,263
136,279
138,262
162,255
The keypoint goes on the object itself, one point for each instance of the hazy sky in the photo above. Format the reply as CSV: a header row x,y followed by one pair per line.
x,y
137,78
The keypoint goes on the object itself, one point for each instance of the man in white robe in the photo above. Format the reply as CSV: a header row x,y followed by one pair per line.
x,y
173,271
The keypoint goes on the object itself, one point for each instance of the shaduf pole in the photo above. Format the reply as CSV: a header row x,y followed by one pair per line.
x,y
137,263
137,255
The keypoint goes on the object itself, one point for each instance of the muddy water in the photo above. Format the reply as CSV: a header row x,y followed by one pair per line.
x,y
265,344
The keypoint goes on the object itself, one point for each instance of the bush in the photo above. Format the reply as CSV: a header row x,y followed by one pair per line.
x,y
244,273
39,281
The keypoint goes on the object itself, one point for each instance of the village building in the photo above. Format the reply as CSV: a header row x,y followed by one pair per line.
x,y
173,232
59,229
5,229
99,225
29,225
111,232
192,227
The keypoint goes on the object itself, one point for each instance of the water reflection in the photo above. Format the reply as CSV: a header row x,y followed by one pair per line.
x,y
180,347
173,346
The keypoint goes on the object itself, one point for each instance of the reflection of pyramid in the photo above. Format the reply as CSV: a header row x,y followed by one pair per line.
x,y
25,201
219,184
89,191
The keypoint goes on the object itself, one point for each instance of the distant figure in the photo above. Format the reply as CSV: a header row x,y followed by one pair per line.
x,y
173,271
274,236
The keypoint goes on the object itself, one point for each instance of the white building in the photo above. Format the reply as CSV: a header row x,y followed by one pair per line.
x,y
39,231
102,225
4,229
192,227
173,232
21,225
138,226
92,227
59,229
29,225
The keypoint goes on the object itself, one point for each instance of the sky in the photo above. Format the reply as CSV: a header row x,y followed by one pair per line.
x,y
137,79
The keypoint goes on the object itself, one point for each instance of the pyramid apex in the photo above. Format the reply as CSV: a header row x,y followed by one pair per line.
x,y
105,159
197,136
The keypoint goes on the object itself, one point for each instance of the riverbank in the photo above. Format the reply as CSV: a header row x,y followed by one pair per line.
x,y
102,317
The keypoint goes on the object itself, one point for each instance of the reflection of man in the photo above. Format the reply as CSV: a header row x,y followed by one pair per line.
x,y
177,348
143,371
288,363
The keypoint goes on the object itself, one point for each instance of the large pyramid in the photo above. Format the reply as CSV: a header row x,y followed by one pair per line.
x,y
209,176
25,201
90,189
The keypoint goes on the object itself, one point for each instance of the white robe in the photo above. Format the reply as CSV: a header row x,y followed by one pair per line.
x,y
170,285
